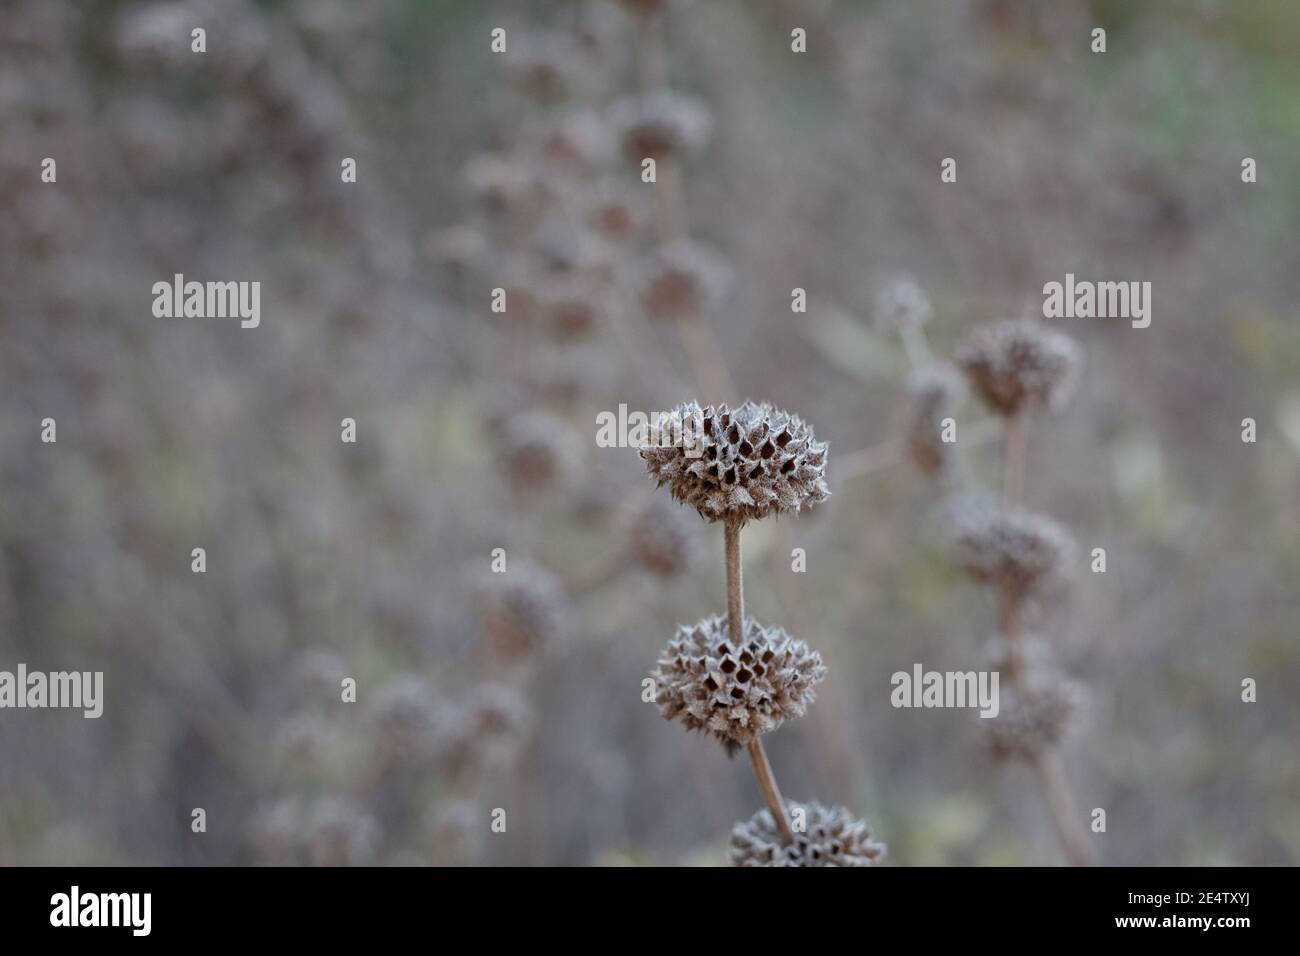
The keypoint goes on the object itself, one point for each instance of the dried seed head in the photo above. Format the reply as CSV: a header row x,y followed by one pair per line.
x,y
831,837
456,248
1032,720
486,731
615,214
521,611
682,280
319,673
901,302
501,183
734,692
276,833
932,393
578,144
404,713
1016,551
537,452
342,835
1016,366
660,125
577,309
301,742
456,833
661,539
747,463
544,65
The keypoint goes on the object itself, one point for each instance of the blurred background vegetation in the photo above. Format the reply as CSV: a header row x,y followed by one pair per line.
x,y
476,431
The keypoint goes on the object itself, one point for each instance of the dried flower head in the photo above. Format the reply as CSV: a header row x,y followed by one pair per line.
x,y
932,392
682,280
902,302
342,835
1017,366
660,125
521,611
404,715
831,837
735,693
544,65
1034,719
457,247
579,143
301,742
1015,550
487,730
456,835
276,833
577,309
318,673
615,214
537,451
745,463
501,183
661,539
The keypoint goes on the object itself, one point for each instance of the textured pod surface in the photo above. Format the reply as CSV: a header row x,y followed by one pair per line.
x,y
1019,366
748,463
735,693
830,836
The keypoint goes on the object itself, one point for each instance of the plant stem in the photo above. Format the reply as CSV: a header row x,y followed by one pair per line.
x,y
767,783
735,634
1013,459
1051,772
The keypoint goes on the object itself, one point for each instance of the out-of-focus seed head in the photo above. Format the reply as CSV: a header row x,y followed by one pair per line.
x,y
1032,720
404,714
661,540
831,836
932,393
682,280
458,247
735,692
319,674
578,309
502,184
660,125
537,452
615,214
901,302
456,833
301,742
277,832
579,144
748,463
1017,551
544,65
521,611
342,835
488,730
1017,366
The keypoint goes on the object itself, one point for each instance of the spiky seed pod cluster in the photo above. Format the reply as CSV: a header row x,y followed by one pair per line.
x,y
521,611
902,302
746,463
682,281
660,125
733,692
831,836
1034,719
1014,550
932,393
1017,366
661,541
